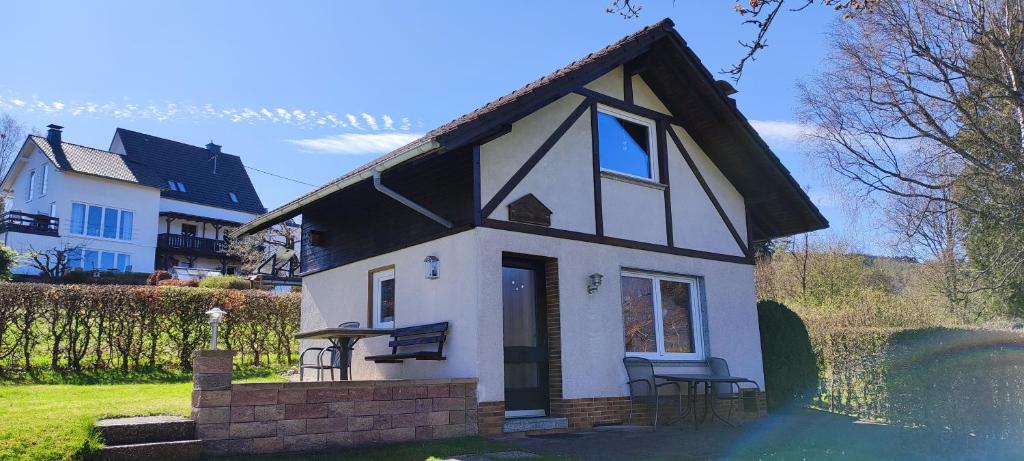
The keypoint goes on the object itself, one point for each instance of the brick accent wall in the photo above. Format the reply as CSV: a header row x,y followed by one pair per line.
x,y
284,417
554,329
492,418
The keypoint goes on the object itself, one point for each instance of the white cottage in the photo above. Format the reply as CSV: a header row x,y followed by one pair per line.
x,y
605,210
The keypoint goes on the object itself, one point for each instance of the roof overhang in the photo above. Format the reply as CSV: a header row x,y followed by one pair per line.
x,y
293,208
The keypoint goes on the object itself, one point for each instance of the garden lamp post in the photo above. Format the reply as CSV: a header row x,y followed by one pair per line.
x,y
215,315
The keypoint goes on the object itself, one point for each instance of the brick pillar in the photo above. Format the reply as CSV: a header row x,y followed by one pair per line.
x,y
554,331
211,392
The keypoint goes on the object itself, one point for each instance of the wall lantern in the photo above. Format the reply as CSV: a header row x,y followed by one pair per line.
x,y
215,316
595,281
432,267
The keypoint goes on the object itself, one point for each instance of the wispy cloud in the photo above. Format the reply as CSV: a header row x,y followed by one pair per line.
x,y
356,143
781,131
125,109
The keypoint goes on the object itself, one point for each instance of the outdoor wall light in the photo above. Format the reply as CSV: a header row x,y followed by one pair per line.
x,y
215,316
432,267
595,281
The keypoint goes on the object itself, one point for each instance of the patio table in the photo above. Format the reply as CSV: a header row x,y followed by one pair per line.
x,y
692,379
345,340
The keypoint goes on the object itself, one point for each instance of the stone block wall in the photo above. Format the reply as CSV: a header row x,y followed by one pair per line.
x,y
285,417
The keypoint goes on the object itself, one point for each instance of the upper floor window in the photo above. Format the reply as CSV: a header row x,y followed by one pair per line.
x,y
176,186
662,316
46,180
97,221
233,197
31,185
624,142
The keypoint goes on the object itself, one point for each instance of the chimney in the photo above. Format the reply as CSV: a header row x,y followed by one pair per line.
x,y
53,133
214,153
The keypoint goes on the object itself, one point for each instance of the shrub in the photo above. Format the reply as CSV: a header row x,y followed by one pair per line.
x,y
105,278
105,326
225,282
790,365
8,257
177,283
157,276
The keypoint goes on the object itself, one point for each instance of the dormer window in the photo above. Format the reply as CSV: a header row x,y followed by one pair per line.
x,y
233,197
176,186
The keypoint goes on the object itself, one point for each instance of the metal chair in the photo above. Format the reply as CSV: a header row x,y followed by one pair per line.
x,y
643,386
320,351
340,357
731,392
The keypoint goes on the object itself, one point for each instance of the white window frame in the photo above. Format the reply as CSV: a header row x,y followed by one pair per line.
x,y
652,153
31,186
46,180
103,220
697,320
99,258
378,277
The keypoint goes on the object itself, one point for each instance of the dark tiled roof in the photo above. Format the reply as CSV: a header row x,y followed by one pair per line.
x,y
193,166
465,121
736,138
96,162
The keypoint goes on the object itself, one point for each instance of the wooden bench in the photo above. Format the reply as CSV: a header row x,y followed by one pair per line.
x,y
409,337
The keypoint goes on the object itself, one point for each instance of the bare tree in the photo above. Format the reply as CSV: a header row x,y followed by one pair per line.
x,y
12,135
52,263
922,104
253,249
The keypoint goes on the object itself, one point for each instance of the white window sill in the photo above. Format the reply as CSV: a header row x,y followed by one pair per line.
x,y
608,174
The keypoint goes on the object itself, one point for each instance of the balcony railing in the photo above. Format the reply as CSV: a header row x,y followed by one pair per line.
x,y
28,223
190,244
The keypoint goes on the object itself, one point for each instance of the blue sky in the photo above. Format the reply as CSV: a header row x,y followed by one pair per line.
x,y
310,90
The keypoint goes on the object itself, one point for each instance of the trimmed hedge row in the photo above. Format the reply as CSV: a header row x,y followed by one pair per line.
x,y
107,326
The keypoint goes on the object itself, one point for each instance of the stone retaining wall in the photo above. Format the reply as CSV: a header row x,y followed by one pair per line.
x,y
282,417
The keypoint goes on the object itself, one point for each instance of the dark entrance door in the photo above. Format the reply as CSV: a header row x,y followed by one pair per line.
x,y
525,338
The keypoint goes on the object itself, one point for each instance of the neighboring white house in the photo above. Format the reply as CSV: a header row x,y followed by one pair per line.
x,y
148,203
606,210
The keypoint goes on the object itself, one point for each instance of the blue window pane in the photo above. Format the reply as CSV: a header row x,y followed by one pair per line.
x,y
77,218
75,258
624,146
90,259
126,225
107,260
92,227
123,261
110,223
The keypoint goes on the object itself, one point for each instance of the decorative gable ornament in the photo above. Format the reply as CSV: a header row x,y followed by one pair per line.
x,y
530,210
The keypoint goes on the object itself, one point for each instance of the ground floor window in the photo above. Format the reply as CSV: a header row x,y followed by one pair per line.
x,y
662,316
89,260
382,298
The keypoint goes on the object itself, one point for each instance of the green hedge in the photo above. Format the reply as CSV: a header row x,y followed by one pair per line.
x,y
225,282
104,326
790,365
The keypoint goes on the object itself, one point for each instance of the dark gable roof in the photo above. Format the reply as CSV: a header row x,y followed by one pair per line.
x,y
192,166
95,162
777,204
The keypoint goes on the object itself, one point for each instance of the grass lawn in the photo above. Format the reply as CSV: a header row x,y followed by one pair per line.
x,y
54,421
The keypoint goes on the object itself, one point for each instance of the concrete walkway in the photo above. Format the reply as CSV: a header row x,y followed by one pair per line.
x,y
803,436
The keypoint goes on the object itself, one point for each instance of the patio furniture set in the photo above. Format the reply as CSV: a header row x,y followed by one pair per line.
x,y
406,343
718,384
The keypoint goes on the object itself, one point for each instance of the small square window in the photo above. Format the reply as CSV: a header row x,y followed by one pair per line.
x,y
233,197
181,186
624,143
172,185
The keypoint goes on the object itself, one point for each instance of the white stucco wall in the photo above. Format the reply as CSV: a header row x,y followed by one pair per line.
x,y
592,333
609,84
727,195
562,180
468,294
64,189
341,294
633,212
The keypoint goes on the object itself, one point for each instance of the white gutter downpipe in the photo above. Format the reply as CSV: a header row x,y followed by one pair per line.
x,y
274,216
407,202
